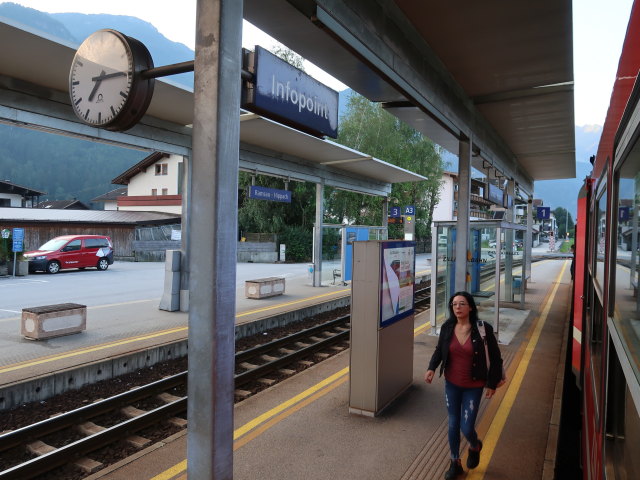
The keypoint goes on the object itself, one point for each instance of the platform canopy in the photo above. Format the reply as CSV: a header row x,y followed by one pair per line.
x,y
39,100
500,73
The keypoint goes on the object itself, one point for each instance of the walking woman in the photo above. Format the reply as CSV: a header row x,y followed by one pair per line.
x,y
461,354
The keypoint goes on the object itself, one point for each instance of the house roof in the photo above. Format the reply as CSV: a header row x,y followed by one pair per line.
x,y
42,215
8,187
111,195
125,177
63,204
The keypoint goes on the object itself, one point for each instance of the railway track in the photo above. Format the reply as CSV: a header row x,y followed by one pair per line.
x,y
82,441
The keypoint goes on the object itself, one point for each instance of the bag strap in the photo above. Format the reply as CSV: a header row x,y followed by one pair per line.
x,y
483,334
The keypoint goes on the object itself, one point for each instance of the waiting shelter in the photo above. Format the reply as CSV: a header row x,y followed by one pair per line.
x,y
495,274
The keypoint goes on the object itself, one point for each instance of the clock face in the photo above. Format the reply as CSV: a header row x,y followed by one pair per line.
x,y
101,78
105,83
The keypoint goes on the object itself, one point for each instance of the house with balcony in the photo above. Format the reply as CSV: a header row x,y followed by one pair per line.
x,y
447,207
14,195
152,185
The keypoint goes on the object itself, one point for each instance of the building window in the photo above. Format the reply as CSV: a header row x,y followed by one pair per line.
x,y
162,168
154,191
165,191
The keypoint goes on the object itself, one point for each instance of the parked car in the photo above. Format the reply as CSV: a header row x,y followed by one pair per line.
x,y
72,251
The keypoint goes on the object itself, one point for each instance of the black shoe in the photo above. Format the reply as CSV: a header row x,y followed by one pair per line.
x,y
474,456
454,470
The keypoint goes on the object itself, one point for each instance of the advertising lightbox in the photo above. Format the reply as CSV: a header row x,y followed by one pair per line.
x,y
397,281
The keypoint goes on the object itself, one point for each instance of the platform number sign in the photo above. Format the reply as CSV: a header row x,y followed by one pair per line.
x,y
394,212
544,213
409,210
623,214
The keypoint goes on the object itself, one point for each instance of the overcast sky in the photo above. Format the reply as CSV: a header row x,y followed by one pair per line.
x,y
599,29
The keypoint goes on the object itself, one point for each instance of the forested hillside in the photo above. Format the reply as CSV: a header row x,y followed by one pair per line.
x,y
66,167
63,167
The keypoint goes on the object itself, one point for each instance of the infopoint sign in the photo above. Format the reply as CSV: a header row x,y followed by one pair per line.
x,y
288,95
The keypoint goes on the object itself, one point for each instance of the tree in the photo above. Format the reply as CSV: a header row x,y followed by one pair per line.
x,y
564,221
367,127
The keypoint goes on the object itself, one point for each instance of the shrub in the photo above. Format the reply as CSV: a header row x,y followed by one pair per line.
x,y
299,242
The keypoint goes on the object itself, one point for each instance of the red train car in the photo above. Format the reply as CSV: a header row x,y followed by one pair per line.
x,y
606,310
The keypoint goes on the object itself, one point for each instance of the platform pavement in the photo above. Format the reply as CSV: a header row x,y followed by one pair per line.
x,y
120,328
301,428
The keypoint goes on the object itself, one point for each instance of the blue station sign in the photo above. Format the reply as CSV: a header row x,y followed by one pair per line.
x,y
544,213
17,239
288,95
270,194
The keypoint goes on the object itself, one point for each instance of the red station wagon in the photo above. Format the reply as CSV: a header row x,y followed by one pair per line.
x,y
72,251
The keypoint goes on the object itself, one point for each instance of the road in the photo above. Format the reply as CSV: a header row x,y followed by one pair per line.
x,y
122,282
127,282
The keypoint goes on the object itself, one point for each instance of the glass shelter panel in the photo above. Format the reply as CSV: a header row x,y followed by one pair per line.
x,y
443,270
625,265
493,268
337,244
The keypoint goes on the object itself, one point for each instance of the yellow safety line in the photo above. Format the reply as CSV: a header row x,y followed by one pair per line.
x,y
104,346
258,310
262,423
499,421
75,353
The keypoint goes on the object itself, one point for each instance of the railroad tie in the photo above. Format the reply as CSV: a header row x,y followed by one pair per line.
x,y
39,448
88,465
89,428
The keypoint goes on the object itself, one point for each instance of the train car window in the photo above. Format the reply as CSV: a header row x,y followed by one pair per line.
x,y
626,263
601,238
622,424
596,333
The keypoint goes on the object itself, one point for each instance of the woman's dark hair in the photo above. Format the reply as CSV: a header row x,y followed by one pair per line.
x,y
473,315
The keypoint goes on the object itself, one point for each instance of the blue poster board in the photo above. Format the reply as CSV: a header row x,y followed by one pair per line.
x,y
18,239
351,234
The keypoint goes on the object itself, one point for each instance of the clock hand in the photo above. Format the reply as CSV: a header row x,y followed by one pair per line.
x,y
98,81
102,76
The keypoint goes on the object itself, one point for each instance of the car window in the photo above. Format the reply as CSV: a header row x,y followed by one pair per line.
x,y
96,242
54,244
73,246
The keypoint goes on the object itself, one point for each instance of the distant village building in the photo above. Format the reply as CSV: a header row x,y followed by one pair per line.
x,y
13,195
63,204
110,199
447,207
154,184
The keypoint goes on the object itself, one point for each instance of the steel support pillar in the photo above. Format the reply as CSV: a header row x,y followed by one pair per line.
x,y
317,236
462,226
385,212
528,242
212,233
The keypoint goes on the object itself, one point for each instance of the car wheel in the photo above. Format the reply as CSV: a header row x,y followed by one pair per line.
x,y
53,267
103,264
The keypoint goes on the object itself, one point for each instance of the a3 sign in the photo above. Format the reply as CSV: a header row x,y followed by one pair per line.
x,y
396,212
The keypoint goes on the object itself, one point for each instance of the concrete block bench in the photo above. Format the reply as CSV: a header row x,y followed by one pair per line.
x,y
264,287
53,320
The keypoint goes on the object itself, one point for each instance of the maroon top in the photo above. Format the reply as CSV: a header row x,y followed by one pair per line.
x,y
458,370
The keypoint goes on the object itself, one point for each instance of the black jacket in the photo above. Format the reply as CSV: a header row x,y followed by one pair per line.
x,y
479,365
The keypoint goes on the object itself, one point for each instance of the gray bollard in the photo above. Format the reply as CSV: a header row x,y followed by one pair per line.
x,y
170,300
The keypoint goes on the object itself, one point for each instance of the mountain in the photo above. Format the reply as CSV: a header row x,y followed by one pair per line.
x,y
66,167
163,51
75,27
38,149
564,193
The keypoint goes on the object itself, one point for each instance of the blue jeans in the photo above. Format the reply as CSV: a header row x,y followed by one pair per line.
x,y
462,406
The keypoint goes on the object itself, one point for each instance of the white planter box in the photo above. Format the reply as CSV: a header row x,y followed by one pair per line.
x,y
264,287
53,320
